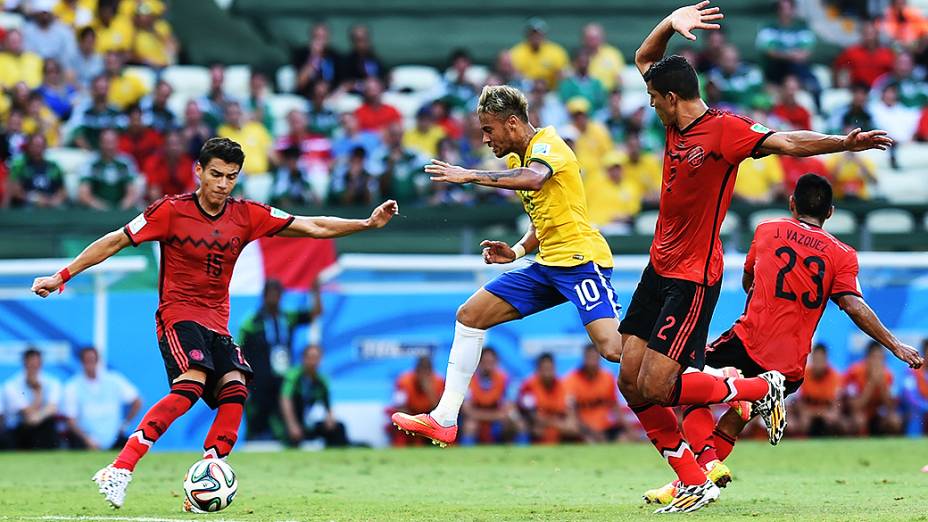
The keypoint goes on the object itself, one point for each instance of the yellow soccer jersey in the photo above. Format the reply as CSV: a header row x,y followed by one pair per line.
x,y
558,210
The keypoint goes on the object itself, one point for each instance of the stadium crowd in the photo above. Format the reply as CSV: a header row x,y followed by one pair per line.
x,y
71,78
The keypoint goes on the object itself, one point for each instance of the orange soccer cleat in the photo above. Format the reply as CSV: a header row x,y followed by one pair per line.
x,y
424,425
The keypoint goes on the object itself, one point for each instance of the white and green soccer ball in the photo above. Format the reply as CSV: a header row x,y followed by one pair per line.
x,y
209,485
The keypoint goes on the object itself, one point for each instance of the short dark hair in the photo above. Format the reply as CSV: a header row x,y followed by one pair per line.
x,y
31,352
590,347
544,357
80,354
490,350
820,347
813,196
222,148
673,74
85,32
874,347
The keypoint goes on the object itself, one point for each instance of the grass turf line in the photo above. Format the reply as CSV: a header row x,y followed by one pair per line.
x,y
875,479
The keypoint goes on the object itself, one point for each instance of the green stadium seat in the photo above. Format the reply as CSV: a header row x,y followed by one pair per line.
x,y
72,161
822,74
646,222
835,99
890,221
841,222
258,187
281,104
237,78
913,155
190,80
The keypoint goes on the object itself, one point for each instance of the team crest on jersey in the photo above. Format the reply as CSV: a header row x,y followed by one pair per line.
x,y
541,148
696,156
760,129
136,224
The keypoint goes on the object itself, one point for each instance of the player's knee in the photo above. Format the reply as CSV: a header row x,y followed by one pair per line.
x,y
469,316
654,390
628,385
610,349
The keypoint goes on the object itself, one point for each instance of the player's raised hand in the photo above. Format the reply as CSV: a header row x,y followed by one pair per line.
x,y
908,355
497,252
44,286
685,19
384,213
448,173
876,139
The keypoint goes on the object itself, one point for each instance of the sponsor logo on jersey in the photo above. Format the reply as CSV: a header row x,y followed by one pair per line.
x,y
136,224
760,129
541,148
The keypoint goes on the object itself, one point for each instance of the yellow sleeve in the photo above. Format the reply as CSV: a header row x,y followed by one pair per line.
x,y
548,152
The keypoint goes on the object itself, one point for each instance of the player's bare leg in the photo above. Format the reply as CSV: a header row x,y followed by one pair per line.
x,y
604,334
480,312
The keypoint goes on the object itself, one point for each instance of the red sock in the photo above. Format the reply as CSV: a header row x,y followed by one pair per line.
x,y
698,425
702,388
660,423
724,443
156,421
224,431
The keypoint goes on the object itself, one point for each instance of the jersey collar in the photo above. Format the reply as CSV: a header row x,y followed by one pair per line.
x,y
206,214
694,122
813,225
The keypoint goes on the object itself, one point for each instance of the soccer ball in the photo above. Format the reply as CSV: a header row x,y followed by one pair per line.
x,y
209,485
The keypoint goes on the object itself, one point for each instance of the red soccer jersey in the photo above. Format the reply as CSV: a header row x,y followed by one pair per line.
x,y
198,253
700,165
796,268
864,65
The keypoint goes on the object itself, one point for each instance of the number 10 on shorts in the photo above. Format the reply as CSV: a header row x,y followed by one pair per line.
x,y
587,292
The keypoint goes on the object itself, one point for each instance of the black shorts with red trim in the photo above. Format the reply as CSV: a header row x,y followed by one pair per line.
x,y
673,315
186,344
729,350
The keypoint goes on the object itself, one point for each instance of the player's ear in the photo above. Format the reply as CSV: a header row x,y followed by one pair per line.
x,y
792,204
198,170
830,212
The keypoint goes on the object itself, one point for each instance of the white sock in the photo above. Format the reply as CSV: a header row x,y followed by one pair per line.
x,y
462,363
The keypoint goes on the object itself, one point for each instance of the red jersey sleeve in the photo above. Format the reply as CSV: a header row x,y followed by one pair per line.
x,y
741,137
151,225
266,220
846,282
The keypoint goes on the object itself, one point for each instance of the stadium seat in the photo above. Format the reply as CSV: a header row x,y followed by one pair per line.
x,y
805,100
407,104
477,74
146,74
634,100
258,187
632,80
890,221
280,105
646,222
236,81
72,162
907,186
286,79
191,80
345,102
764,215
730,224
11,21
822,74
912,155
841,222
834,99
414,78
176,104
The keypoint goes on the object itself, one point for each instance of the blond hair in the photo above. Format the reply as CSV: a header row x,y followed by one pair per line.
x,y
503,101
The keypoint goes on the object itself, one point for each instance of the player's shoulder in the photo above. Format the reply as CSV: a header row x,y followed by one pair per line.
x,y
169,202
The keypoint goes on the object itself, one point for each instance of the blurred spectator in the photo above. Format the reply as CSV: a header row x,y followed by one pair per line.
x,y
786,46
114,33
57,93
109,181
266,337
47,37
214,103
314,151
868,386
17,64
292,185
614,118
126,88
352,183
581,84
441,113
349,137
195,131
856,114
317,62
256,101
31,400
710,56
892,116
818,411
452,193
403,178
170,170
864,62
612,198
13,133
794,167
488,416
374,114
546,108
543,402
459,92
904,24
537,58
852,175
505,72
417,391
741,84
788,109
94,115
40,119
87,63
592,392
74,13
34,179
423,138
304,398
138,140
642,167
606,62
99,405
362,62
153,42
155,108
760,180
256,141
913,91
915,398
921,131
322,120
593,141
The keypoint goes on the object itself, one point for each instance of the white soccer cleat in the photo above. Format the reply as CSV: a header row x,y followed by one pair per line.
x,y
772,408
692,498
112,484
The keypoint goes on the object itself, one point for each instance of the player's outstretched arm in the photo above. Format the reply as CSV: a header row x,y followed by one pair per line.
x,y
684,20
95,253
809,143
498,252
323,227
531,177
863,316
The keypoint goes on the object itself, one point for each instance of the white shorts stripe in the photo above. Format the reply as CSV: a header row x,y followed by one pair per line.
x,y
608,288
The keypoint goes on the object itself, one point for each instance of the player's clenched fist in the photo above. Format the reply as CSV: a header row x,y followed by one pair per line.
x,y
497,252
384,213
43,286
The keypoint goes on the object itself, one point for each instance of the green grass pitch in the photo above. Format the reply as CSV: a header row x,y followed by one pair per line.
x,y
876,479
